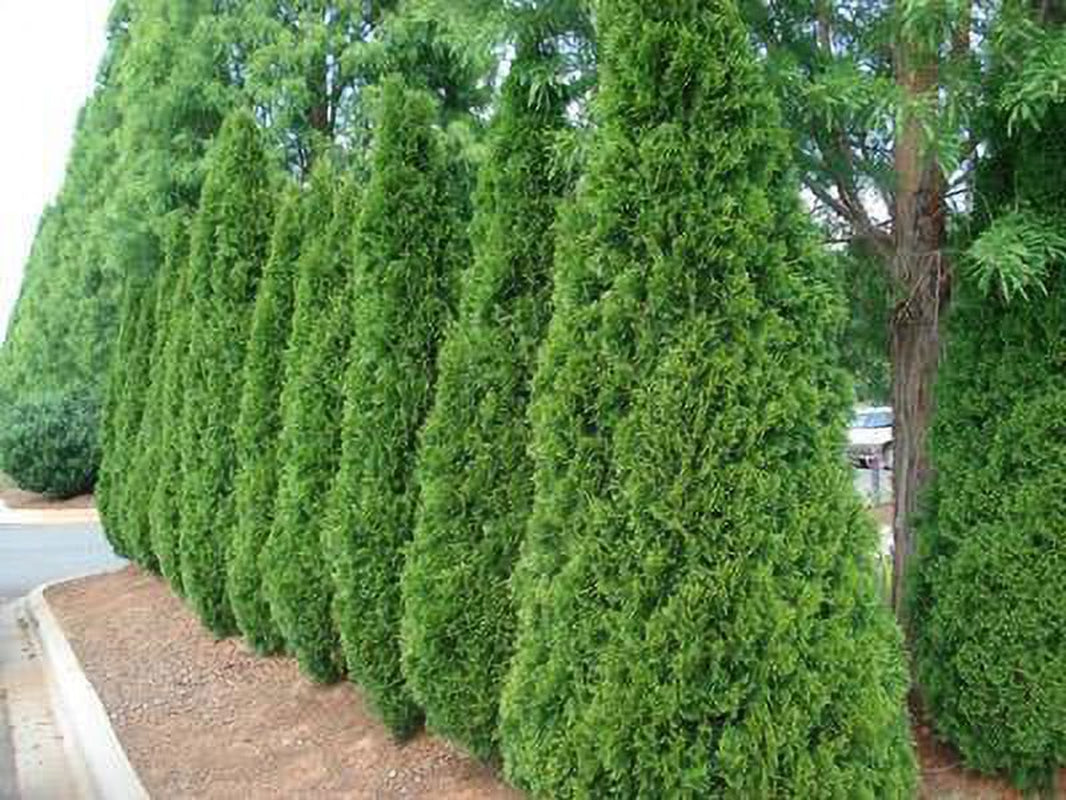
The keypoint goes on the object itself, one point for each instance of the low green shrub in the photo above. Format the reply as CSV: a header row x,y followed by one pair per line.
x,y
49,444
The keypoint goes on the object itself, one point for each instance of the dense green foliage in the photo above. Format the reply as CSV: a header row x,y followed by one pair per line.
x,y
124,408
69,286
697,611
230,242
137,156
474,472
409,248
144,456
295,574
987,599
990,643
48,444
598,523
168,444
259,426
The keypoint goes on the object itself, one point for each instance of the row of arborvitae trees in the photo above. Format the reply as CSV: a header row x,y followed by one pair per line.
x,y
583,509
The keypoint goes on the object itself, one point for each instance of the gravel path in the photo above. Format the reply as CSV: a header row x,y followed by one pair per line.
x,y
207,719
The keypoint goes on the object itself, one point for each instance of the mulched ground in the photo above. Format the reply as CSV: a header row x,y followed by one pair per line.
x,y
208,719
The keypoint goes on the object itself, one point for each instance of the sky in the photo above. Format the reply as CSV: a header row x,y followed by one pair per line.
x,y
49,51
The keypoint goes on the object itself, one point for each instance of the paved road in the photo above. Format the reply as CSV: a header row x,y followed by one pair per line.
x,y
34,554
30,747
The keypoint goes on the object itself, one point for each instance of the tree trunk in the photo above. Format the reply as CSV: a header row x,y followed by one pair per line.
x,y
922,281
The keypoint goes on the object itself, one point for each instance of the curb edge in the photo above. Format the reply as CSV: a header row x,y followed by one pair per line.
x,y
82,714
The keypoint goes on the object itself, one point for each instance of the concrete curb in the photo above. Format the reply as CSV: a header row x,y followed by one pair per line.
x,y
81,716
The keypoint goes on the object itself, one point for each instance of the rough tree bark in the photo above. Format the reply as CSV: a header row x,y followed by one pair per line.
x,y
922,277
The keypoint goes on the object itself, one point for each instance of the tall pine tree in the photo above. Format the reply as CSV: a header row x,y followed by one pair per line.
x,y
697,609
409,250
474,473
230,243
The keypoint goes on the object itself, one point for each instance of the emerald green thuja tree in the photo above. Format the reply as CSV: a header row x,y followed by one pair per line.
x,y
230,243
164,500
259,427
146,450
698,614
409,247
123,408
295,573
987,599
475,475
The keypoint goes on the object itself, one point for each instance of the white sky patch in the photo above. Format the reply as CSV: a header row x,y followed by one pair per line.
x,y
49,52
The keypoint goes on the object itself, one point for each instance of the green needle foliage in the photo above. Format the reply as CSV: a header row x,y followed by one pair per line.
x,y
474,473
697,610
164,500
230,243
123,409
259,426
987,601
144,451
295,573
409,249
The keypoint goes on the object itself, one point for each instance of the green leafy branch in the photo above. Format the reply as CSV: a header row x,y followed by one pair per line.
x,y
1016,254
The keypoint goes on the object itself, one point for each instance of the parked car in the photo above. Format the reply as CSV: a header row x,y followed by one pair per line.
x,y
870,442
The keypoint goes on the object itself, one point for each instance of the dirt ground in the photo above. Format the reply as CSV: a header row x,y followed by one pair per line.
x,y
944,779
208,719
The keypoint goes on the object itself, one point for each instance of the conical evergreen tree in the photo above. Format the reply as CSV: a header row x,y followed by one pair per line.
x,y
698,615
259,426
123,408
230,243
475,475
144,449
988,599
409,248
295,577
164,501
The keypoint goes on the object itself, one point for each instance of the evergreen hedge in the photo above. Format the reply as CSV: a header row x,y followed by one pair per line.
x,y
697,608
295,573
259,427
164,499
145,451
409,248
230,243
987,601
127,384
474,472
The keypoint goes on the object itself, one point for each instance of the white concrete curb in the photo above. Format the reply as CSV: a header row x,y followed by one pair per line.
x,y
81,716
